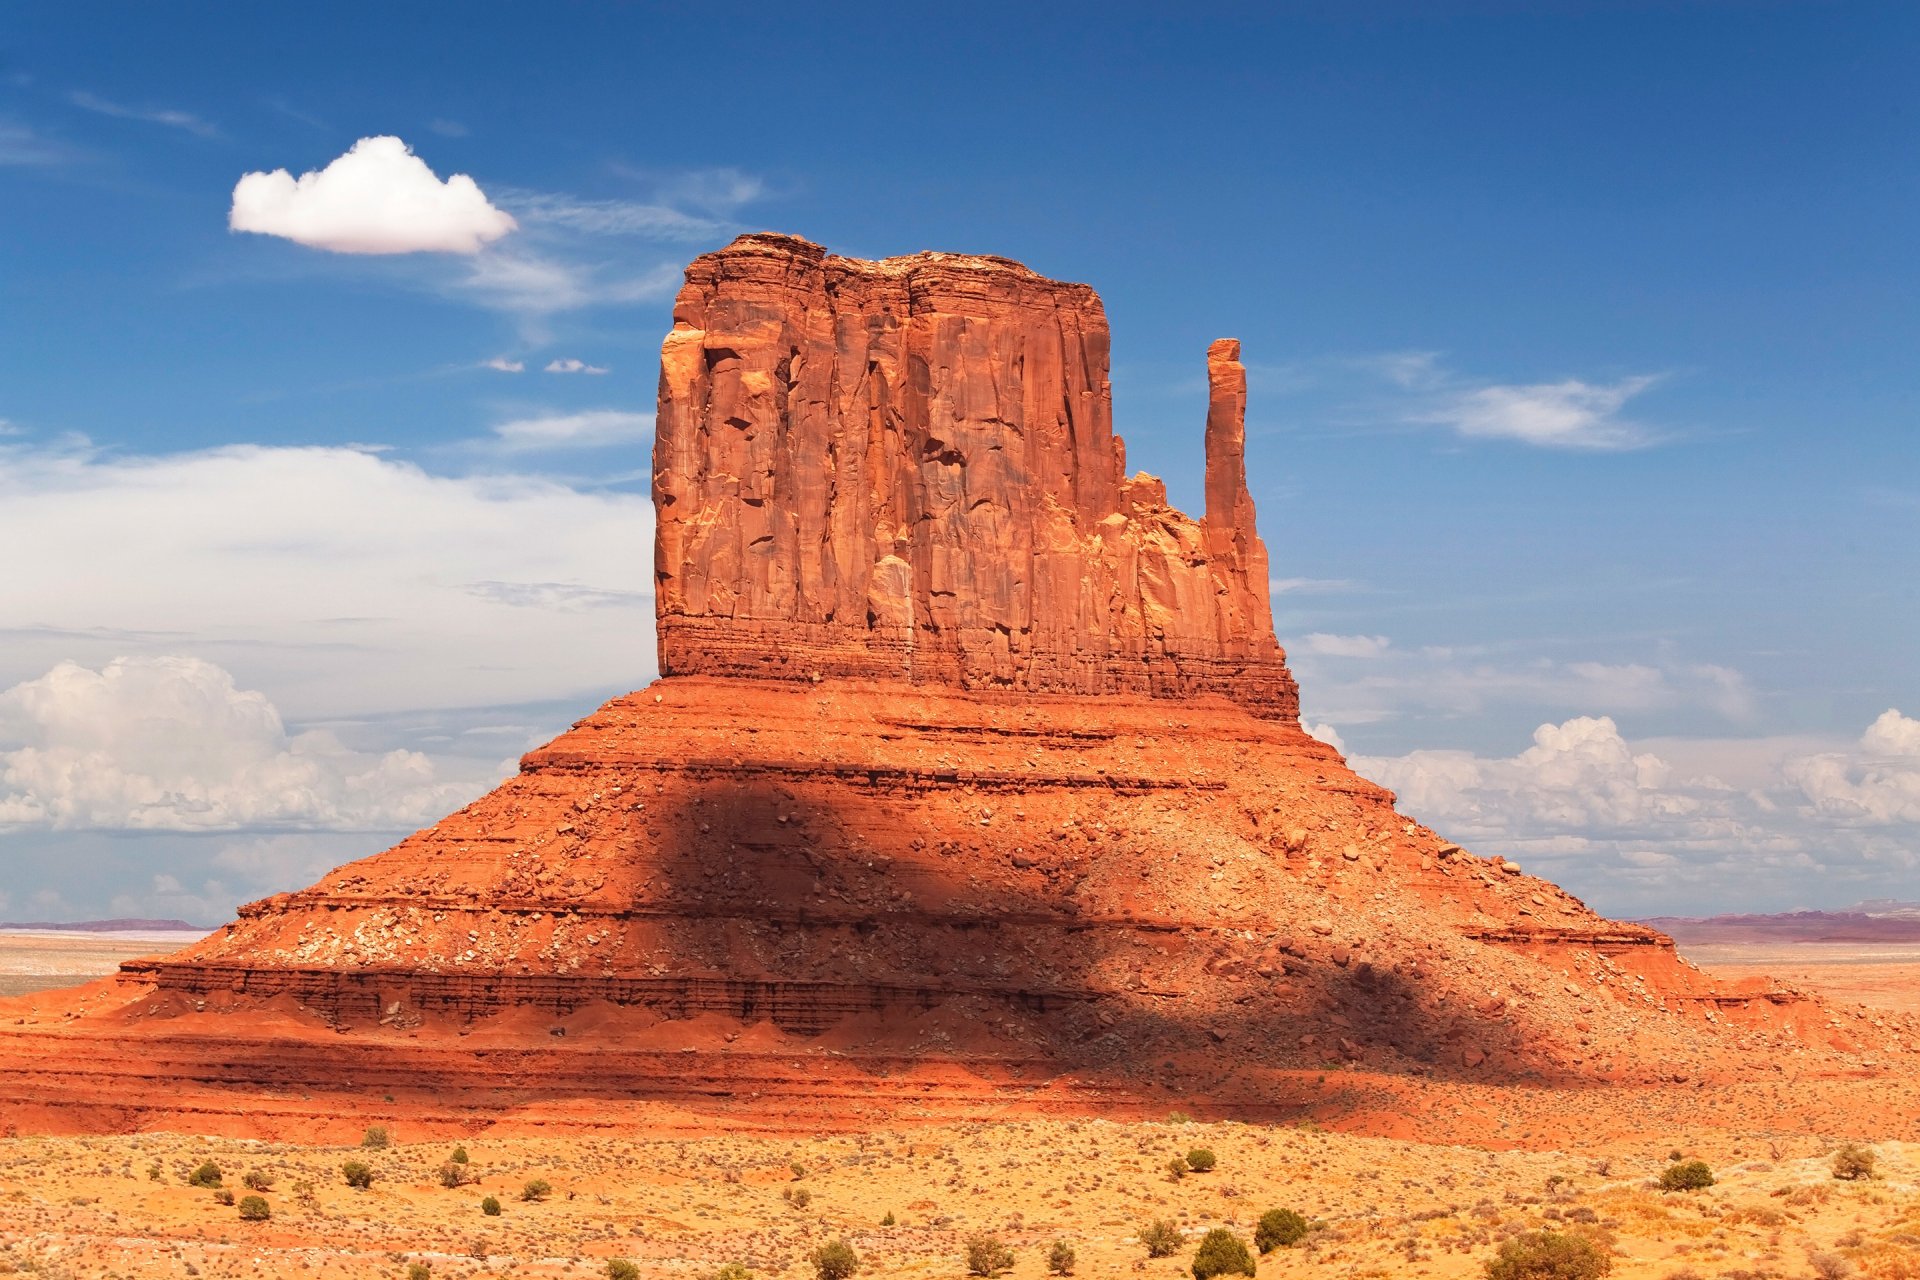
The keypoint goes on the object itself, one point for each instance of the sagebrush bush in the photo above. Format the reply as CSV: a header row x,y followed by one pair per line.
x,y
1176,1168
490,1205
621,1269
987,1255
453,1175
207,1175
834,1260
1201,1160
1548,1255
255,1208
1853,1163
1686,1175
731,1271
1279,1229
254,1180
376,1138
459,1155
536,1190
358,1174
1060,1258
1161,1237
1221,1253
222,1196
798,1197
419,1271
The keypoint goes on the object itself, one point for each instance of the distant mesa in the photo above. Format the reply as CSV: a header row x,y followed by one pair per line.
x,y
133,925
974,781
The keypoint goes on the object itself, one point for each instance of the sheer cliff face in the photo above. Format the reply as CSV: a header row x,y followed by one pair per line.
x,y
907,469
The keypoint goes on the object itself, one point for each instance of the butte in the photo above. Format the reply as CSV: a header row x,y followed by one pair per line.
x,y
973,784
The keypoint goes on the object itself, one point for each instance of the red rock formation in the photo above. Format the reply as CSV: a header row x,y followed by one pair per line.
x,y
932,877
907,469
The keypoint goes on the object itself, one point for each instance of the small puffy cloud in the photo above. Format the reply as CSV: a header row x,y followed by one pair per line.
x,y
1326,733
171,744
1559,415
571,365
1321,644
504,365
590,430
378,198
182,120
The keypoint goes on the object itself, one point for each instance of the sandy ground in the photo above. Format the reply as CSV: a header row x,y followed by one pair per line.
x,y
41,961
1883,975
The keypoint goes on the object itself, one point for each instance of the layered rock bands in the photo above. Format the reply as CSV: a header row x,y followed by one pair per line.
x,y
907,469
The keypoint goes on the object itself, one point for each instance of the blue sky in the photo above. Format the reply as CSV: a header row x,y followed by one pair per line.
x,y
1582,360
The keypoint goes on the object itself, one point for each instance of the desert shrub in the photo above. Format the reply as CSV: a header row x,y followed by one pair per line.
x,y
1548,1255
376,1138
1854,1163
459,1155
621,1269
223,1196
1221,1253
798,1197
536,1190
419,1271
153,1172
798,1170
254,1180
357,1174
453,1175
207,1175
1161,1237
490,1206
731,1271
255,1208
1176,1169
1279,1229
1201,1160
889,1220
1060,1258
1686,1175
834,1260
1830,1266
987,1255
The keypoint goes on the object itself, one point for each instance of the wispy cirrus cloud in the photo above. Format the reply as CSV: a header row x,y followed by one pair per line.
x,y
24,146
1570,414
593,429
185,121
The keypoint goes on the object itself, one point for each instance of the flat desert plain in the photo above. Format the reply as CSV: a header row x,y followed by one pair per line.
x,y
37,960
908,1198
1883,975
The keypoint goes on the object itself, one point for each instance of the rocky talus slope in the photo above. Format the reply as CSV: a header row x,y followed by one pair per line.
x,y
974,783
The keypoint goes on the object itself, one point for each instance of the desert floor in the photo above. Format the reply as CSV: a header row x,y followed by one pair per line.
x,y
122,1206
42,961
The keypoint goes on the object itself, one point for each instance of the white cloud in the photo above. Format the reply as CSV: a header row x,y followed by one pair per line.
x,y
1321,644
182,120
535,284
1559,415
336,579
1327,734
1643,825
571,365
378,198
1394,683
1876,783
170,744
21,146
505,365
611,217
589,430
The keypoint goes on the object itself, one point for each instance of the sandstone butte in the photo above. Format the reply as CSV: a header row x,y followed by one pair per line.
x,y
973,784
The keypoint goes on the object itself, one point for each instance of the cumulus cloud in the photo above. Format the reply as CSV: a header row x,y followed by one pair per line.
x,y
171,744
570,365
1723,821
593,429
378,198
1561,415
183,120
325,575
504,365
